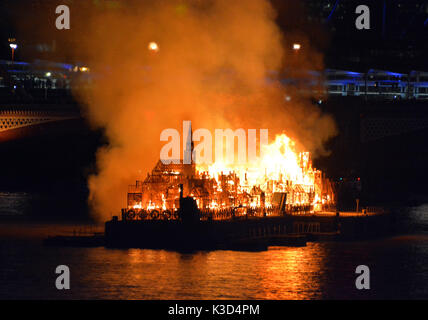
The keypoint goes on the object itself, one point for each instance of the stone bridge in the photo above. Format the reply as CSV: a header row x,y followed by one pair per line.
x,y
16,119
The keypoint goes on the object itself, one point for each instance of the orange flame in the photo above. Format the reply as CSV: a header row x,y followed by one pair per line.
x,y
280,169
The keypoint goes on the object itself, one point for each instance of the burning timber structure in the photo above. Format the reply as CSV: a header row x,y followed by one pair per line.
x,y
281,180
183,206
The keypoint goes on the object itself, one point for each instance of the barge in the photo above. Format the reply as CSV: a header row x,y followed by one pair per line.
x,y
189,232
279,200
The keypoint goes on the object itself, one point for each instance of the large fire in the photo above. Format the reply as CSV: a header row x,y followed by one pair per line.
x,y
281,180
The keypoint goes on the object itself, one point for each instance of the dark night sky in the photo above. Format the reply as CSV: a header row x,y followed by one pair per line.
x,y
402,35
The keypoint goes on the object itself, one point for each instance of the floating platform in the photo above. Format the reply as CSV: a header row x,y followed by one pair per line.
x,y
240,233
243,233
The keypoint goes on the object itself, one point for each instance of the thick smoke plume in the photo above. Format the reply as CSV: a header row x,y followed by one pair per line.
x,y
211,68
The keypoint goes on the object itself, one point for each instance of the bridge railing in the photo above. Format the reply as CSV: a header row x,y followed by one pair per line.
x,y
32,96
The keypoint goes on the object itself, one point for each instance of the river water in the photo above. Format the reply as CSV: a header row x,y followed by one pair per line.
x,y
398,268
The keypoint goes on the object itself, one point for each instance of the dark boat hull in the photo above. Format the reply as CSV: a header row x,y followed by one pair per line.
x,y
242,234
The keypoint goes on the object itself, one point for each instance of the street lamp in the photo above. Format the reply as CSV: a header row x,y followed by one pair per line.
x,y
297,46
153,46
13,47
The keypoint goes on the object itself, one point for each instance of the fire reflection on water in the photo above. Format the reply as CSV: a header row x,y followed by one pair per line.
x,y
280,273
293,273
323,270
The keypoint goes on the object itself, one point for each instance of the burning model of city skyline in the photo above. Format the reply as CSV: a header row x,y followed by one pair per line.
x,y
208,67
